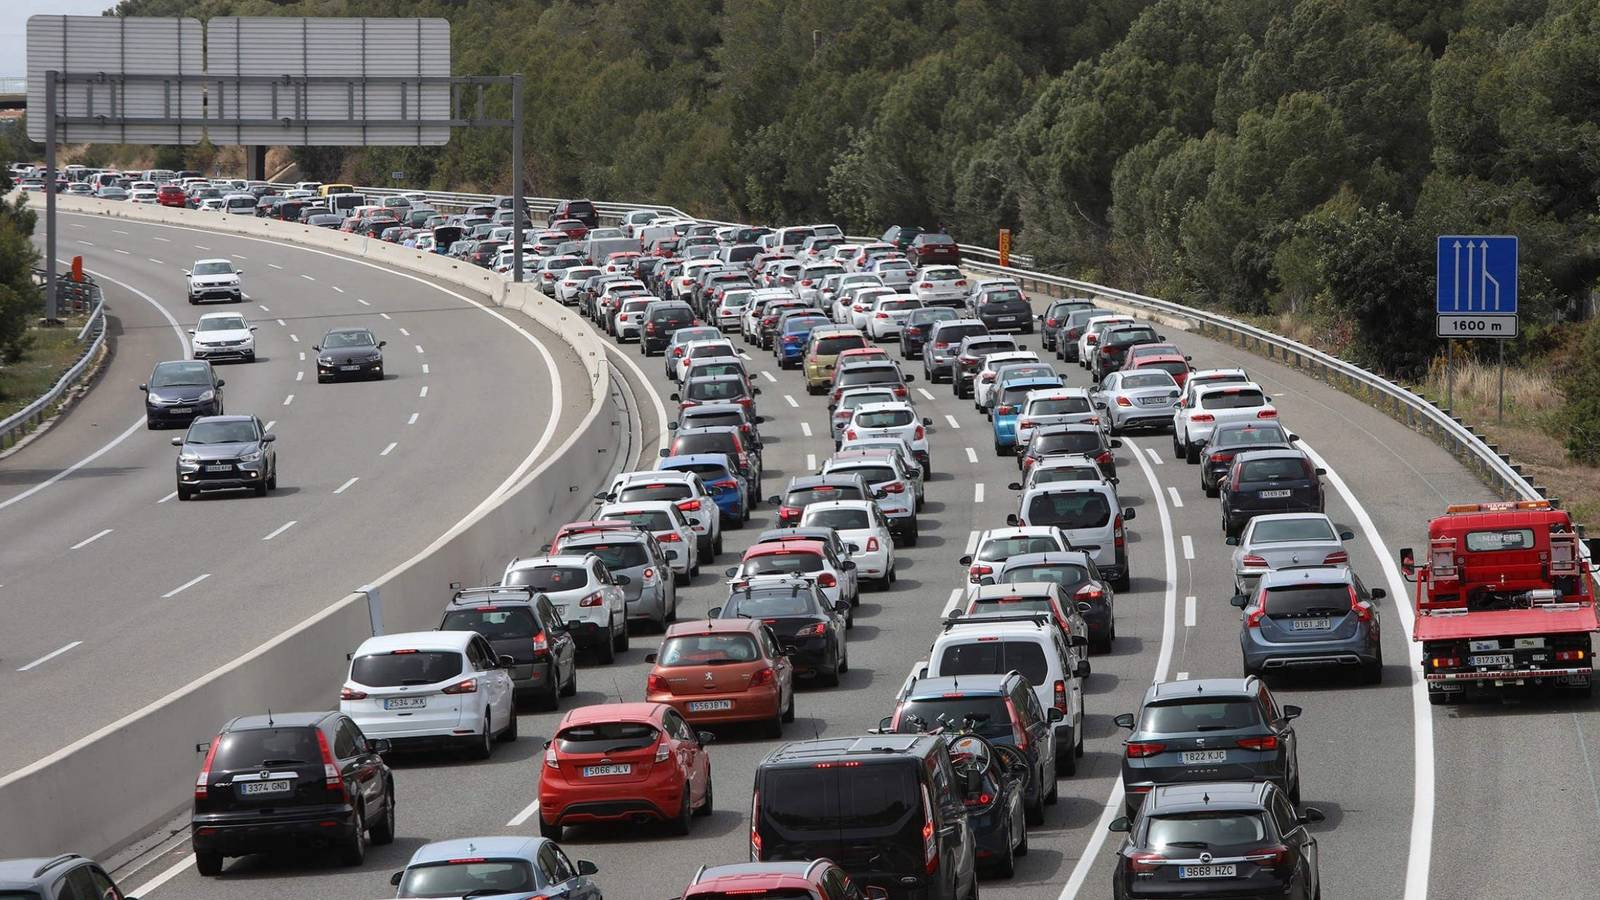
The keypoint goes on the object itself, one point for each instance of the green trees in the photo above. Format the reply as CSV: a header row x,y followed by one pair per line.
x,y
19,298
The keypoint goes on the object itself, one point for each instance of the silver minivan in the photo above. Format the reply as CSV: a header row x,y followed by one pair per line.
x,y
1089,514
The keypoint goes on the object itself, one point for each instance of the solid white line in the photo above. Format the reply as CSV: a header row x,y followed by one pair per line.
x,y
168,497
386,450
768,376
307,277
137,424
413,419
1113,807
288,400
1188,612
338,289
283,323
811,462
280,529
1188,547
343,487
1173,493
972,543
1154,456
385,315
972,455
423,392
1420,859
953,423
49,656
185,586
791,401
302,356
526,814
89,540
977,492
300,376
405,332
362,302
167,874
926,394
275,265
805,428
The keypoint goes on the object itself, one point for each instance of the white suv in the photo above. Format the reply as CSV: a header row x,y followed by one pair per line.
x,y
431,687
897,420
682,488
669,524
862,525
223,335
940,285
214,279
589,598
1213,404
1091,334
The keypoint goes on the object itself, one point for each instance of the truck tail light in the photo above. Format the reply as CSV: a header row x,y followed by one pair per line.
x,y
930,847
657,684
1143,749
755,836
1570,655
1444,662
764,676
350,693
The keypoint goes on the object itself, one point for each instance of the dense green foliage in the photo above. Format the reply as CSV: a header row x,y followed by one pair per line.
x,y
1254,155
19,297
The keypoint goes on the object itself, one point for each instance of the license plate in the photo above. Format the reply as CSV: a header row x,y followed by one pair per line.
x,y
1491,659
1201,757
1220,870
218,468
1007,318
405,703
1310,624
348,368
1273,495
709,705
181,409
252,788
600,771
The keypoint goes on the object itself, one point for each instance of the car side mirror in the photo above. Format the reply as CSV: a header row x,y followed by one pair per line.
x,y
380,746
1124,720
841,607
1014,486
847,566
774,499
1121,825
177,442
191,331
965,560
714,612
1290,711
1129,514
268,438
1347,535
317,347
910,378
144,387
586,867
1321,471
1012,520
382,344
672,426
650,658
202,747
1078,640
885,724
1231,540
731,571
622,580
1379,593
1238,600
395,878
927,421
1082,671
755,392
506,660
674,398
1116,443
664,453
221,382
1408,562
253,327
1311,816
602,496
1053,714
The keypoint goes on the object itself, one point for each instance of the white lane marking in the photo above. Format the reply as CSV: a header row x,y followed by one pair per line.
x,y
337,289
283,323
89,540
295,338
1420,858
300,376
811,462
288,400
185,586
307,277
118,231
1183,676
244,295
386,450
791,401
953,423
200,247
122,251
744,356
76,225
972,456
152,857
805,428
86,243
1173,493
977,492
953,601
154,260
424,368
263,307
168,497
972,543
167,874
405,332
526,814
1188,547
48,656
302,356
362,302
161,239
413,419
270,424
1113,807
1188,612
237,256
275,265
385,315
926,394
280,529
423,392
1154,456
419,347
137,424
768,376
344,487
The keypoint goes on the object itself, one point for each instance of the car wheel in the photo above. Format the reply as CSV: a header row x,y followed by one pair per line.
x,y
844,656
1000,449
605,649
1022,845
355,852
261,489
830,678
1373,672
1178,451
789,715
1007,866
707,805
553,690
1192,455
207,862
550,830
1065,767
571,687
716,547
913,536
680,824
383,831
619,642
1121,582
185,494
892,576
1034,811
1210,490
510,734
483,745
1294,794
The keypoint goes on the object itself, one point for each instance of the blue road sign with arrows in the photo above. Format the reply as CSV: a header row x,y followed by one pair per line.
x,y
1477,274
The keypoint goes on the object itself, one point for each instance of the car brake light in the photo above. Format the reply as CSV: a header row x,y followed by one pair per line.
x,y
1221,457
765,676
1004,409
1118,536
1267,414
925,284
817,630
882,315
1019,735
670,537
350,693
1269,857
1103,458
1254,560
900,390
755,836
919,434
1145,862
201,783
690,506
872,544
1570,655
550,755
1252,619
1061,696
940,345
894,487
1051,322
657,684
469,686
930,848
331,779
1267,742
850,434
1124,401
677,351
785,513
663,749
827,580
726,483
976,572
1143,749
1202,417
1091,340
1090,593
1337,556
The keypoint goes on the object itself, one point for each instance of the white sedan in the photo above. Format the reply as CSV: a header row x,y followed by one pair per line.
x,y
572,281
888,313
860,525
984,382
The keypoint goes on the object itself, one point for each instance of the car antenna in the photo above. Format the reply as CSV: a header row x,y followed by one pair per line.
x,y
269,716
1206,797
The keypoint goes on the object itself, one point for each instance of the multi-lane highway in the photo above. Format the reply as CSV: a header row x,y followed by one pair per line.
x,y
1369,753
115,594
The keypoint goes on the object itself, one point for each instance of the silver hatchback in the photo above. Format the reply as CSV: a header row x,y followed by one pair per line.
x,y
651,593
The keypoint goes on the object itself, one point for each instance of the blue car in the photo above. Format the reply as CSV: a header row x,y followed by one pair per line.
x,y
1008,403
722,480
509,868
790,343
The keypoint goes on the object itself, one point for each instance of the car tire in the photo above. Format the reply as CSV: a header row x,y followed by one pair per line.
x,y
1066,764
208,863
550,830
1022,845
185,494
551,699
1179,451
605,650
892,577
1210,490
483,745
913,536
1006,868
1052,798
261,489
716,546
679,825
830,678
354,853
571,687
1033,812
788,715
619,642
1372,673
1192,456
1000,449
383,831
709,803
510,733
1122,582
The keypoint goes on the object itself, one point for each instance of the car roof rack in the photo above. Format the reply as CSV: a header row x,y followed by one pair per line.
x,y
1038,618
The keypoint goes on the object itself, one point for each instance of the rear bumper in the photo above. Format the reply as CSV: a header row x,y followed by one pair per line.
x,y
751,706
232,836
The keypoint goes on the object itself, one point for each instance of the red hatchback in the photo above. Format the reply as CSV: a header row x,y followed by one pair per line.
x,y
1175,364
172,195
817,879
624,762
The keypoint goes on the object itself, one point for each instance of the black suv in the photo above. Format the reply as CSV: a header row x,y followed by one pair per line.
x,y
1003,308
1007,713
1219,839
1113,347
522,624
1055,317
582,210
290,779
1268,481
888,808
1228,441
661,319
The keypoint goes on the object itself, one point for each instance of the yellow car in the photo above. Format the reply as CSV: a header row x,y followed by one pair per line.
x,y
822,352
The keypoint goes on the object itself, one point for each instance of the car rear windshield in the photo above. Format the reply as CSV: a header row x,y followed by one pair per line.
x,y
1070,509
936,314
647,519
405,667
1053,474
954,333
1067,442
1247,435
843,519
1013,396
783,562
1067,575
864,399
716,442
1306,599
1005,548
740,894
1060,406
708,650
1233,398
672,313
713,420
1171,368
873,375
496,624
781,602
1003,296
833,346
1129,336
550,578
1199,715
885,418
668,491
460,878
996,721
606,737
986,347
872,474
284,746
1273,469
1204,829
1277,531
998,657
711,370
840,798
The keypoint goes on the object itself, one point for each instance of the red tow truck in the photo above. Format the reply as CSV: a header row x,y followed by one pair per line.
x,y
1505,599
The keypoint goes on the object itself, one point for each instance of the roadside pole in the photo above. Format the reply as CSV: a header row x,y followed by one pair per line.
x,y
51,309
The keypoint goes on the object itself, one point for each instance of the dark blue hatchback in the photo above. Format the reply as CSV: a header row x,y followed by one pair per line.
x,y
722,480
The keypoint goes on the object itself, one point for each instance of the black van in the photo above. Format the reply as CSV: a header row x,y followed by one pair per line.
x,y
888,808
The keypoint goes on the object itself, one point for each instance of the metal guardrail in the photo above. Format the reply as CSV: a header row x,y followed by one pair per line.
x,y
15,426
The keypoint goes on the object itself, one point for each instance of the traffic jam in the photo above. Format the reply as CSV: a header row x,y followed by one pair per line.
x,y
679,637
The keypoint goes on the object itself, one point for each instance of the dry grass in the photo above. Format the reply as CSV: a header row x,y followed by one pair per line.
x,y
54,350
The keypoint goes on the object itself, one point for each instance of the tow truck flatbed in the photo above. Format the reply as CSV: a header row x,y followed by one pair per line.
x,y
1505,623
